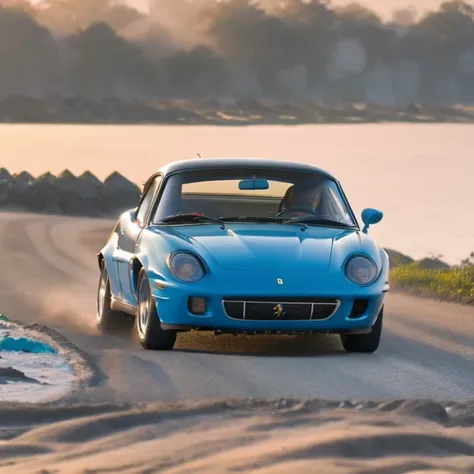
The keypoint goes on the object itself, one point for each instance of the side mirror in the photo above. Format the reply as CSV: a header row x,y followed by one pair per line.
x,y
370,217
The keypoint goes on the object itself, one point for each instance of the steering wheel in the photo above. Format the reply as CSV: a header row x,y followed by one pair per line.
x,y
306,211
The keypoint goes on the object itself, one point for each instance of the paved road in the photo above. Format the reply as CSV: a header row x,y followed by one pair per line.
x,y
48,274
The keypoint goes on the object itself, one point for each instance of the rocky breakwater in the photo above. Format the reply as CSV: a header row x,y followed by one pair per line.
x,y
54,108
83,195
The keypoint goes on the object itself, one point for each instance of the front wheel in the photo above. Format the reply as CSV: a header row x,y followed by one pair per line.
x,y
149,330
365,343
108,320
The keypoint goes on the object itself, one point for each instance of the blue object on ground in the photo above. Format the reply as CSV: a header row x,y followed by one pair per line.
x,y
24,345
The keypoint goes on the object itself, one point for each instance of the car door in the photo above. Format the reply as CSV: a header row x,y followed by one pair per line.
x,y
130,227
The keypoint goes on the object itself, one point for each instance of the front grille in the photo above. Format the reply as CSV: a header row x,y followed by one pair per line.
x,y
286,309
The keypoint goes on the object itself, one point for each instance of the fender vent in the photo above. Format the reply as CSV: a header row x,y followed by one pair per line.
x,y
359,307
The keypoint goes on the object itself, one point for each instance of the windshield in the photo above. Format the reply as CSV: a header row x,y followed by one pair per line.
x,y
260,195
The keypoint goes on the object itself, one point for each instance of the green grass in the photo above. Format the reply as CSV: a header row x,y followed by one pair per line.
x,y
449,284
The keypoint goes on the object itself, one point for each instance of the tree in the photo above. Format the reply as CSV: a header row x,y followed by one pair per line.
x,y
103,59
187,68
30,64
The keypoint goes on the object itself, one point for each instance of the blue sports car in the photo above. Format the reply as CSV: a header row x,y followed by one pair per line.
x,y
244,246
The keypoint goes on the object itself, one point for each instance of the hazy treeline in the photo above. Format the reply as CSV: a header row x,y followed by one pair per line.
x,y
237,48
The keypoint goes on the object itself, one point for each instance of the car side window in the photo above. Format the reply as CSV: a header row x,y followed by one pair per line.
x,y
147,200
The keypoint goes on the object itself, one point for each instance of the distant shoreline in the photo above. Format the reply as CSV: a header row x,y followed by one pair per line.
x,y
230,125
114,111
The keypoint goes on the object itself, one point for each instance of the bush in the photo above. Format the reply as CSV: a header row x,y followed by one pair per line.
x,y
452,284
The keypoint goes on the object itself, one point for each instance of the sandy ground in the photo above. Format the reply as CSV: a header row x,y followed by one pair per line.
x,y
48,282
252,437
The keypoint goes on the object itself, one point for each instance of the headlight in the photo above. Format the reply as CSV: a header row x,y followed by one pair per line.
x,y
186,267
361,270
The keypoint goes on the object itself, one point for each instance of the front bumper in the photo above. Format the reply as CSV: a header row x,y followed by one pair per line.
x,y
349,316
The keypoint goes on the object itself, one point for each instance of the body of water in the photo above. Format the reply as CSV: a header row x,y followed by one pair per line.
x,y
420,175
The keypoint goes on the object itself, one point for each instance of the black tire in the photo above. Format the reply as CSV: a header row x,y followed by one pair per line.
x,y
150,333
365,343
108,320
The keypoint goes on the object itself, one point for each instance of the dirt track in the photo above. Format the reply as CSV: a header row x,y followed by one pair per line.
x,y
49,276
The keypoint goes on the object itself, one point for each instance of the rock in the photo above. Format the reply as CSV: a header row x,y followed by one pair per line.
x,y
119,193
46,178
77,191
23,179
6,182
14,193
42,194
80,203
414,109
83,195
117,182
5,176
398,258
53,209
9,374
66,179
65,194
91,179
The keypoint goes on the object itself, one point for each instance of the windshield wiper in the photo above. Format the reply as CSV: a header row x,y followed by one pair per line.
x,y
313,220
261,219
185,218
250,219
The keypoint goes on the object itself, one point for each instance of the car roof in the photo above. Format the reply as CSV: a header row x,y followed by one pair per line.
x,y
236,163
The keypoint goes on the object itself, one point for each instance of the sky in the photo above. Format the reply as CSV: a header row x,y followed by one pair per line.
x,y
385,7
382,7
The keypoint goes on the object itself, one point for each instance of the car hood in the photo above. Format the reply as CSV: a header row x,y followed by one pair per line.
x,y
262,246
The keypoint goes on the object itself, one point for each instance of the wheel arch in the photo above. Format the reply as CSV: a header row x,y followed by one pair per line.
x,y
136,266
100,259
